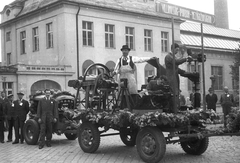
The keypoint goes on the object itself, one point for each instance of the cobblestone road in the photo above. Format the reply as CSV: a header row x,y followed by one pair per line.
x,y
112,150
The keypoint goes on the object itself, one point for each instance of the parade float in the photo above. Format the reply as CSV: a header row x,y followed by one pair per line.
x,y
143,121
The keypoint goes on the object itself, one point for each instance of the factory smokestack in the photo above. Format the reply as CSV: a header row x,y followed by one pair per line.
x,y
221,13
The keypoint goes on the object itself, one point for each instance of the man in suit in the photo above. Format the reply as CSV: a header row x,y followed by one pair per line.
x,y
2,115
4,101
211,99
227,102
10,116
21,109
46,113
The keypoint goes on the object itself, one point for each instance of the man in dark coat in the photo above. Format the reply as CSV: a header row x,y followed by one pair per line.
x,y
4,101
2,116
227,102
46,113
211,99
21,109
10,116
169,70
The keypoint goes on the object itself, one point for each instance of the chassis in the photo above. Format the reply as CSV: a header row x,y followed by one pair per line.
x,y
104,98
64,125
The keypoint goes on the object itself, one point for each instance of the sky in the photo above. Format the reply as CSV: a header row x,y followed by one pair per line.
x,y
200,5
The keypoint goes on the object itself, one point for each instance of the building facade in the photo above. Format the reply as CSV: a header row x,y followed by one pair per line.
x,y
42,39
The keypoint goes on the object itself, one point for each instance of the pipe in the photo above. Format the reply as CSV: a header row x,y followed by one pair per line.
x,y
77,41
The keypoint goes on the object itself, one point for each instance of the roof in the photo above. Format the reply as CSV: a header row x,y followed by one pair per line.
x,y
121,5
214,37
209,42
210,30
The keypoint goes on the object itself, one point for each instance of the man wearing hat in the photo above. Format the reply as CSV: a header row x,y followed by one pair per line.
x,y
46,113
211,99
125,67
21,109
10,116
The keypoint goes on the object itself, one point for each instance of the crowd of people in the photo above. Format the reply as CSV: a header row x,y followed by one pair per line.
x,y
13,114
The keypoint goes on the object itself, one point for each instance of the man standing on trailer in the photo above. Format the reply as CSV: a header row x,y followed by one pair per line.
x,y
125,67
47,114
169,70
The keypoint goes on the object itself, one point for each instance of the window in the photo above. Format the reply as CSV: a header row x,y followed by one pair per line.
x,y
35,39
8,59
23,42
149,71
130,37
87,33
8,36
217,71
164,41
7,87
148,40
49,35
109,36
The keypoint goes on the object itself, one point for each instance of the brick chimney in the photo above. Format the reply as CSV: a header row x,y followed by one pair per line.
x,y
221,13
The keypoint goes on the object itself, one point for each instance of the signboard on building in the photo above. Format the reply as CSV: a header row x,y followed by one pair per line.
x,y
184,13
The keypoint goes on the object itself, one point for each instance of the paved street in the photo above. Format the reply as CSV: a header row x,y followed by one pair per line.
x,y
112,150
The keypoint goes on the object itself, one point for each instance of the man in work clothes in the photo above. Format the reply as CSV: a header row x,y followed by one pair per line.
x,y
174,80
227,102
10,116
21,109
46,114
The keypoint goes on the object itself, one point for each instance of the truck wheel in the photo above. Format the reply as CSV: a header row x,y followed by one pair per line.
x,y
151,144
128,136
70,136
31,132
88,137
195,146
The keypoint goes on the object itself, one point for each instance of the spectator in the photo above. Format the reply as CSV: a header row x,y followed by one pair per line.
x,y
2,115
4,101
182,99
211,99
46,114
227,102
10,116
21,109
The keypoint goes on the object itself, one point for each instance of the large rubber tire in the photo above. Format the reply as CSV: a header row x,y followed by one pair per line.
x,y
128,136
88,137
195,146
151,144
31,132
70,136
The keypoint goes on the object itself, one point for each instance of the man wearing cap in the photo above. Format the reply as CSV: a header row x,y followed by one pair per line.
x,y
211,99
174,80
125,67
10,116
46,113
21,109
